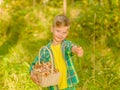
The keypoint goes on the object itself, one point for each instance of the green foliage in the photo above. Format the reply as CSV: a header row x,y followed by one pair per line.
x,y
25,27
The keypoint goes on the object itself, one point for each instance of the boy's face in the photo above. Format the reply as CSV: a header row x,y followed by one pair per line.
x,y
59,33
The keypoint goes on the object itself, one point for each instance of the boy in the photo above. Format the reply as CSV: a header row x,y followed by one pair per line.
x,y
61,50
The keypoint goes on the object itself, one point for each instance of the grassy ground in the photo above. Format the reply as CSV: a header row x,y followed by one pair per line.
x,y
94,27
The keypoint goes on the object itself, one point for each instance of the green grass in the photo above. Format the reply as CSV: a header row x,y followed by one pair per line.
x,y
94,27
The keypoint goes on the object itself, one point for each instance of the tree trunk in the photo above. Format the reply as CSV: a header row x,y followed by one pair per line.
x,y
64,6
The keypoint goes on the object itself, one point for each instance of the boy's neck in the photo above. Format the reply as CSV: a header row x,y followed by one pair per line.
x,y
55,43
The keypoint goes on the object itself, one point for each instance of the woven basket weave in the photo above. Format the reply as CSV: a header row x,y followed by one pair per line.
x,y
47,79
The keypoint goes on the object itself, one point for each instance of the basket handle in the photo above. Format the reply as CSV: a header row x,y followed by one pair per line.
x,y
50,57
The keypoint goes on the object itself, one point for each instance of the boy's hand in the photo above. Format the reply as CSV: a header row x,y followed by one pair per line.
x,y
34,77
78,50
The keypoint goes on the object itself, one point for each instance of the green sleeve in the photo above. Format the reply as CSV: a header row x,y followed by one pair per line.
x,y
68,47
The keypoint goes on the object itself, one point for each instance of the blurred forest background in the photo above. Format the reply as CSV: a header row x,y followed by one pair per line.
x,y
25,27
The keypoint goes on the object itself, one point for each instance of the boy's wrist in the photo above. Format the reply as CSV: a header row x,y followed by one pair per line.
x,y
74,48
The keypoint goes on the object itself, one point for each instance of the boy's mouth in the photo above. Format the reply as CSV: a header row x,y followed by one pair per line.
x,y
58,39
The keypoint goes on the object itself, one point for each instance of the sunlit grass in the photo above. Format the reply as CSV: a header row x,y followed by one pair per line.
x,y
98,69
15,71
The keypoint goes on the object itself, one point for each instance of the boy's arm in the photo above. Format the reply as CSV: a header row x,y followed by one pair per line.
x,y
71,48
31,71
33,63
34,76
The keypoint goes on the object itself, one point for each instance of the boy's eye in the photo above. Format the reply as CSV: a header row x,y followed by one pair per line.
x,y
64,32
57,30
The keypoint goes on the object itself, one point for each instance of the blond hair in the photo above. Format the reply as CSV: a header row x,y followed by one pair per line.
x,y
61,20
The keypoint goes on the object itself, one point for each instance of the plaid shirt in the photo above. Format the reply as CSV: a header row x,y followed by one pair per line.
x,y
66,46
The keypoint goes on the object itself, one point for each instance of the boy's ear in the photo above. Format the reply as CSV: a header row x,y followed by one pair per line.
x,y
51,28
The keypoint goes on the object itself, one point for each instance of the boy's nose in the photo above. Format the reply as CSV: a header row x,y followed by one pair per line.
x,y
60,34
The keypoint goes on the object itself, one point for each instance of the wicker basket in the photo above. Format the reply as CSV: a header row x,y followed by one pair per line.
x,y
46,73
